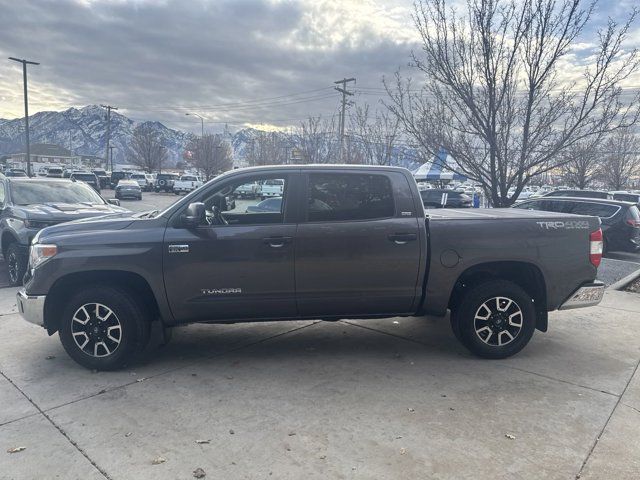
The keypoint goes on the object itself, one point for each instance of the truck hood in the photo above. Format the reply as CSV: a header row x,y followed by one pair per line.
x,y
65,212
114,221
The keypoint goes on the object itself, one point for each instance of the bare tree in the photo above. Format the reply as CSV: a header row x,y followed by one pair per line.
x,y
376,134
211,155
583,164
315,140
147,151
621,160
493,95
268,148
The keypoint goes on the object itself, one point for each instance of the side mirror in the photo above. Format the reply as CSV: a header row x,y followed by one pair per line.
x,y
114,201
194,215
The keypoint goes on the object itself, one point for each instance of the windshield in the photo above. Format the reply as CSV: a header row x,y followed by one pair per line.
x,y
29,193
86,177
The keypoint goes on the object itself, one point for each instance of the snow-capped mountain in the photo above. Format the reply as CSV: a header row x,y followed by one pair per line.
x,y
84,131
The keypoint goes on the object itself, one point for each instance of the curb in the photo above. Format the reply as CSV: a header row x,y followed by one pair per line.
x,y
622,283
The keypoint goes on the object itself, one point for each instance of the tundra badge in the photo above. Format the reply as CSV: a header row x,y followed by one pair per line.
x,y
178,248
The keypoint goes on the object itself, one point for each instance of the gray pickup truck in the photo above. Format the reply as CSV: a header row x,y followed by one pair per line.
x,y
341,242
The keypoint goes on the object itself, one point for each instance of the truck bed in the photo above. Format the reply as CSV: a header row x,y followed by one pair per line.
x,y
556,244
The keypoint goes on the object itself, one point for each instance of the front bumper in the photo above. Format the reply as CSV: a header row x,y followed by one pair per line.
x,y
31,307
587,295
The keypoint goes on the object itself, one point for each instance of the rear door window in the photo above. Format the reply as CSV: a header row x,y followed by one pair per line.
x,y
594,209
347,196
529,205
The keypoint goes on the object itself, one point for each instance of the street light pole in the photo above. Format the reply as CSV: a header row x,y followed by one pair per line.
x,y
26,107
201,122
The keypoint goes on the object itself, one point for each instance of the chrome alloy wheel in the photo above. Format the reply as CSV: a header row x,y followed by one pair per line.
x,y
498,321
96,330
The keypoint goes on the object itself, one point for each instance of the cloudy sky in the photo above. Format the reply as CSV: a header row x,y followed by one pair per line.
x,y
243,62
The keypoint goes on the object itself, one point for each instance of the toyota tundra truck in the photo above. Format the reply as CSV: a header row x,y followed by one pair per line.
x,y
346,242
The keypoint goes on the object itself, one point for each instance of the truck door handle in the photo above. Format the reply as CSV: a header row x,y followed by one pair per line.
x,y
277,242
402,238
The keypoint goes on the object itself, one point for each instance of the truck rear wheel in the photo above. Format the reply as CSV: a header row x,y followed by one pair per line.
x,y
495,319
103,327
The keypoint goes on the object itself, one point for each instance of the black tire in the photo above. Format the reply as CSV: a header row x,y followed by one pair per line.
x,y
129,314
16,264
499,335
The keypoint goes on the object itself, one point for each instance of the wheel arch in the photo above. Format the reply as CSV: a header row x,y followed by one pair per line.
x,y
524,274
7,239
68,284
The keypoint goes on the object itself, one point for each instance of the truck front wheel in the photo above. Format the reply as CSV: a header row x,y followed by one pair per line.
x,y
103,327
16,264
495,319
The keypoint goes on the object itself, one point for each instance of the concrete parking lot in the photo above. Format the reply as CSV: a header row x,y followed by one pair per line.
x,y
391,398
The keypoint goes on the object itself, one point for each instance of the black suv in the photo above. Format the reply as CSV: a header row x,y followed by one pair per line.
x,y
445,198
116,177
28,205
103,177
620,220
165,181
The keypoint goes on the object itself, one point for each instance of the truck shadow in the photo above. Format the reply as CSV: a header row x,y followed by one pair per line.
x,y
415,337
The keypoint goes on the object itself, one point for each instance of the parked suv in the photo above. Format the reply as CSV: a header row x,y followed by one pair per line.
x,y
88,178
28,205
116,177
143,181
620,220
103,177
55,172
579,193
165,181
445,198
626,196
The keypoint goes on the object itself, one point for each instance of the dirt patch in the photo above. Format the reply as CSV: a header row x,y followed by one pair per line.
x,y
633,286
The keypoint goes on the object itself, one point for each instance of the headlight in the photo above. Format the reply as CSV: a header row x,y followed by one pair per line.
x,y
40,253
37,224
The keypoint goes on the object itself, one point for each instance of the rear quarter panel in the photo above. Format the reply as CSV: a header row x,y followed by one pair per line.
x,y
558,245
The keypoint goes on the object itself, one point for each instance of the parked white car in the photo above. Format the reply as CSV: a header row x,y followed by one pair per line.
x,y
186,184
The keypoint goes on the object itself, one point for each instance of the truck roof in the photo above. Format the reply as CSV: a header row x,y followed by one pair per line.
x,y
315,166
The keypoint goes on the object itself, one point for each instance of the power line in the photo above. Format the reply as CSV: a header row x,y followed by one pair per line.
x,y
243,103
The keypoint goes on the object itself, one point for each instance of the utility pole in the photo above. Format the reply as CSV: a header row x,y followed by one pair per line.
x,y
26,107
109,108
110,149
344,93
201,122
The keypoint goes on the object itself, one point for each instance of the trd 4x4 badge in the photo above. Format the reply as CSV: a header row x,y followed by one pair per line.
x,y
567,225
